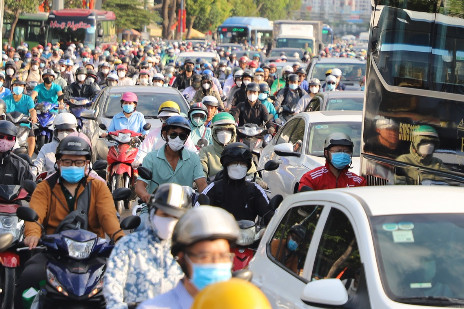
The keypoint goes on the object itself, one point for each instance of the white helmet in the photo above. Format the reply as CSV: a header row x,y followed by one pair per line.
x,y
336,72
287,69
65,121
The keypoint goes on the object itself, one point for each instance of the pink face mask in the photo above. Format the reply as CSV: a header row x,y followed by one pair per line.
x,y
6,145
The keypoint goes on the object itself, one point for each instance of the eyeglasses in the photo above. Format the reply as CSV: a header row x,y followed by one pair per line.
x,y
8,137
69,162
331,83
182,136
256,75
208,258
343,150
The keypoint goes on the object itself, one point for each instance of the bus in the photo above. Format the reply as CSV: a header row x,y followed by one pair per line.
x,y
327,35
89,27
256,31
30,28
413,119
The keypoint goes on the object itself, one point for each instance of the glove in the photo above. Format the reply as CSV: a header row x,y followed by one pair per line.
x,y
136,164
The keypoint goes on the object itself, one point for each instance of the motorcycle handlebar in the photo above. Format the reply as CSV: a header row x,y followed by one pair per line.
x,y
27,248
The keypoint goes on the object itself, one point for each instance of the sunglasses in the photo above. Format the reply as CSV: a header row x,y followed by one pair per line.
x,y
182,136
331,83
8,137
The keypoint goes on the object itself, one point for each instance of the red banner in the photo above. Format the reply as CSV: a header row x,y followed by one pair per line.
x,y
181,20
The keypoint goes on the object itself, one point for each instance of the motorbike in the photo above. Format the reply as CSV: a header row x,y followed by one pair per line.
x,y
120,173
252,135
76,263
24,126
46,113
11,233
286,112
76,107
249,237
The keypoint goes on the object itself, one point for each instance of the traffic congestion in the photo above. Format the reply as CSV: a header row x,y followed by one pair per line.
x,y
302,171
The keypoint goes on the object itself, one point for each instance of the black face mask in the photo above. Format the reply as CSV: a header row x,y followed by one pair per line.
x,y
188,69
47,80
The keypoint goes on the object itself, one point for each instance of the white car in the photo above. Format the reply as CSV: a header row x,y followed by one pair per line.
x,y
366,247
299,146
207,56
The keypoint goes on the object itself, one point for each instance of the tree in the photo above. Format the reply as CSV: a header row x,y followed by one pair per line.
x,y
15,8
130,14
194,9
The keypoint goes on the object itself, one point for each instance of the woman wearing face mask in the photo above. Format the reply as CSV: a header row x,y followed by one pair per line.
x,y
48,91
286,250
330,83
141,265
243,199
303,103
122,74
129,118
289,96
103,73
158,80
263,98
251,110
144,78
200,135
206,90
112,80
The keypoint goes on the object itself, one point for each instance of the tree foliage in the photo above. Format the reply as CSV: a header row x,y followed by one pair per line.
x,y
455,8
130,14
14,8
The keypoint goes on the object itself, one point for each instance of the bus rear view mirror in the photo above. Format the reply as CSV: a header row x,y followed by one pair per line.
x,y
100,33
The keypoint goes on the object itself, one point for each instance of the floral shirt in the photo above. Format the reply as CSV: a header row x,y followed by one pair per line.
x,y
140,267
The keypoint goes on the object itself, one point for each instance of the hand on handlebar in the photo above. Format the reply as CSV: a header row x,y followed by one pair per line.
x,y
31,241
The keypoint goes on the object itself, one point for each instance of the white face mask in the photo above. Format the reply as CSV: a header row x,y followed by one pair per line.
x,y
258,78
426,149
252,97
246,82
35,67
206,86
144,81
175,144
9,72
237,171
238,83
121,74
105,71
81,77
314,89
91,80
61,135
224,136
163,226
62,69
158,84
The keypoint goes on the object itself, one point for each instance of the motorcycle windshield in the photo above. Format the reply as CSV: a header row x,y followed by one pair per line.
x,y
9,192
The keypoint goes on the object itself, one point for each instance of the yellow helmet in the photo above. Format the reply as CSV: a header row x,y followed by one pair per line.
x,y
168,109
328,72
231,294
117,61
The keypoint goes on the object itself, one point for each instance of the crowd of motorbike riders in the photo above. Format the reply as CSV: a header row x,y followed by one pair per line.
x,y
178,250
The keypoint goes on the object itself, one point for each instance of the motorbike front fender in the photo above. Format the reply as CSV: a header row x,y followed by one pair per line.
x,y
121,168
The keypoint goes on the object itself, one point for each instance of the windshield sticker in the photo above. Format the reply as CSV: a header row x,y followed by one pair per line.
x,y
406,225
425,285
403,236
390,227
321,126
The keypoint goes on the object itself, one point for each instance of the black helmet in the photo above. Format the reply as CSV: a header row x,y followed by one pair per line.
x,y
144,64
292,78
8,128
125,59
252,87
171,198
81,70
263,87
91,73
110,59
176,121
338,139
73,145
207,77
299,230
189,60
197,107
236,152
18,82
247,73
196,78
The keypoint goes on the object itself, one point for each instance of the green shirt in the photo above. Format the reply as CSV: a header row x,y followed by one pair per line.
x,y
188,169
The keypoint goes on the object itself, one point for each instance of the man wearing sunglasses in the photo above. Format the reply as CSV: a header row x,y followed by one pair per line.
x,y
14,169
172,163
330,83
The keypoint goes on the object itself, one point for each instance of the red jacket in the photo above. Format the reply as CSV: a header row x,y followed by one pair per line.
x,y
322,178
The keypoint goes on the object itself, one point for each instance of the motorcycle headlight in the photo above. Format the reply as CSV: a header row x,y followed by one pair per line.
x,y
123,137
10,224
246,236
79,250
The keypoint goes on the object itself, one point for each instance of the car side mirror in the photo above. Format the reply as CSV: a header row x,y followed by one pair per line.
x,y
100,165
29,186
130,223
88,114
121,194
144,172
27,214
325,293
102,126
285,150
271,165
147,126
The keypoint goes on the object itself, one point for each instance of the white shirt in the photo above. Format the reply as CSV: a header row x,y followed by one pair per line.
x,y
177,298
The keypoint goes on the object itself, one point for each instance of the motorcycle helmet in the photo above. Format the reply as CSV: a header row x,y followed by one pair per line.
x,y
210,101
158,77
238,74
8,128
81,70
176,121
73,145
223,118
92,73
168,109
203,223
197,108
129,97
247,73
207,78
231,294
264,88
64,121
252,87
236,152
292,78
171,198
338,139
48,72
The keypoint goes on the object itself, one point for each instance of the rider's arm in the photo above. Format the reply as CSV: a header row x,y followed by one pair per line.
x,y
112,126
33,115
218,97
141,190
204,160
201,184
306,180
34,94
142,123
40,202
106,212
261,201
116,276
198,174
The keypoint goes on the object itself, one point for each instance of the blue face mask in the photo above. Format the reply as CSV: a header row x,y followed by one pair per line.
x,y
340,160
42,65
128,108
206,274
1,84
72,174
18,90
330,87
292,245
262,96
362,88
293,86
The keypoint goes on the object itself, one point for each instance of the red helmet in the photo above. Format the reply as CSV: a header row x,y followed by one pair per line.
x,y
253,64
129,97
121,67
242,59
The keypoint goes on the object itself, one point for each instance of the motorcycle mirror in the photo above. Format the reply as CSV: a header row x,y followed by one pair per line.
x,y
306,189
29,186
130,223
147,126
5,241
121,194
275,201
243,274
202,142
203,199
271,165
88,114
100,165
27,214
102,126
144,172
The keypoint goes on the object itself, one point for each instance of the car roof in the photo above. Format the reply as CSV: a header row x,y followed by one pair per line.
x,y
331,116
338,60
342,94
142,89
390,200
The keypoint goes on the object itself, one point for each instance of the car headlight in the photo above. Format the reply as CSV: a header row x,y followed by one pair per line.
x,y
79,250
246,236
10,224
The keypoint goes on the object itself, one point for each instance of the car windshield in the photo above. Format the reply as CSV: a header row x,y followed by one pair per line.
x,y
148,103
350,71
421,257
181,59
345,104
320,131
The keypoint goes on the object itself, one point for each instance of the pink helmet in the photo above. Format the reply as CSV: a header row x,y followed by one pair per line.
x,y
121,67
129,97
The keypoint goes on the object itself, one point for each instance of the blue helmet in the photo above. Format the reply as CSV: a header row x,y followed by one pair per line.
x,y
208,72
176,121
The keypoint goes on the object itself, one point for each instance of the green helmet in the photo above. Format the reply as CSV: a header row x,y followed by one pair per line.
x,y
425,130
223,118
